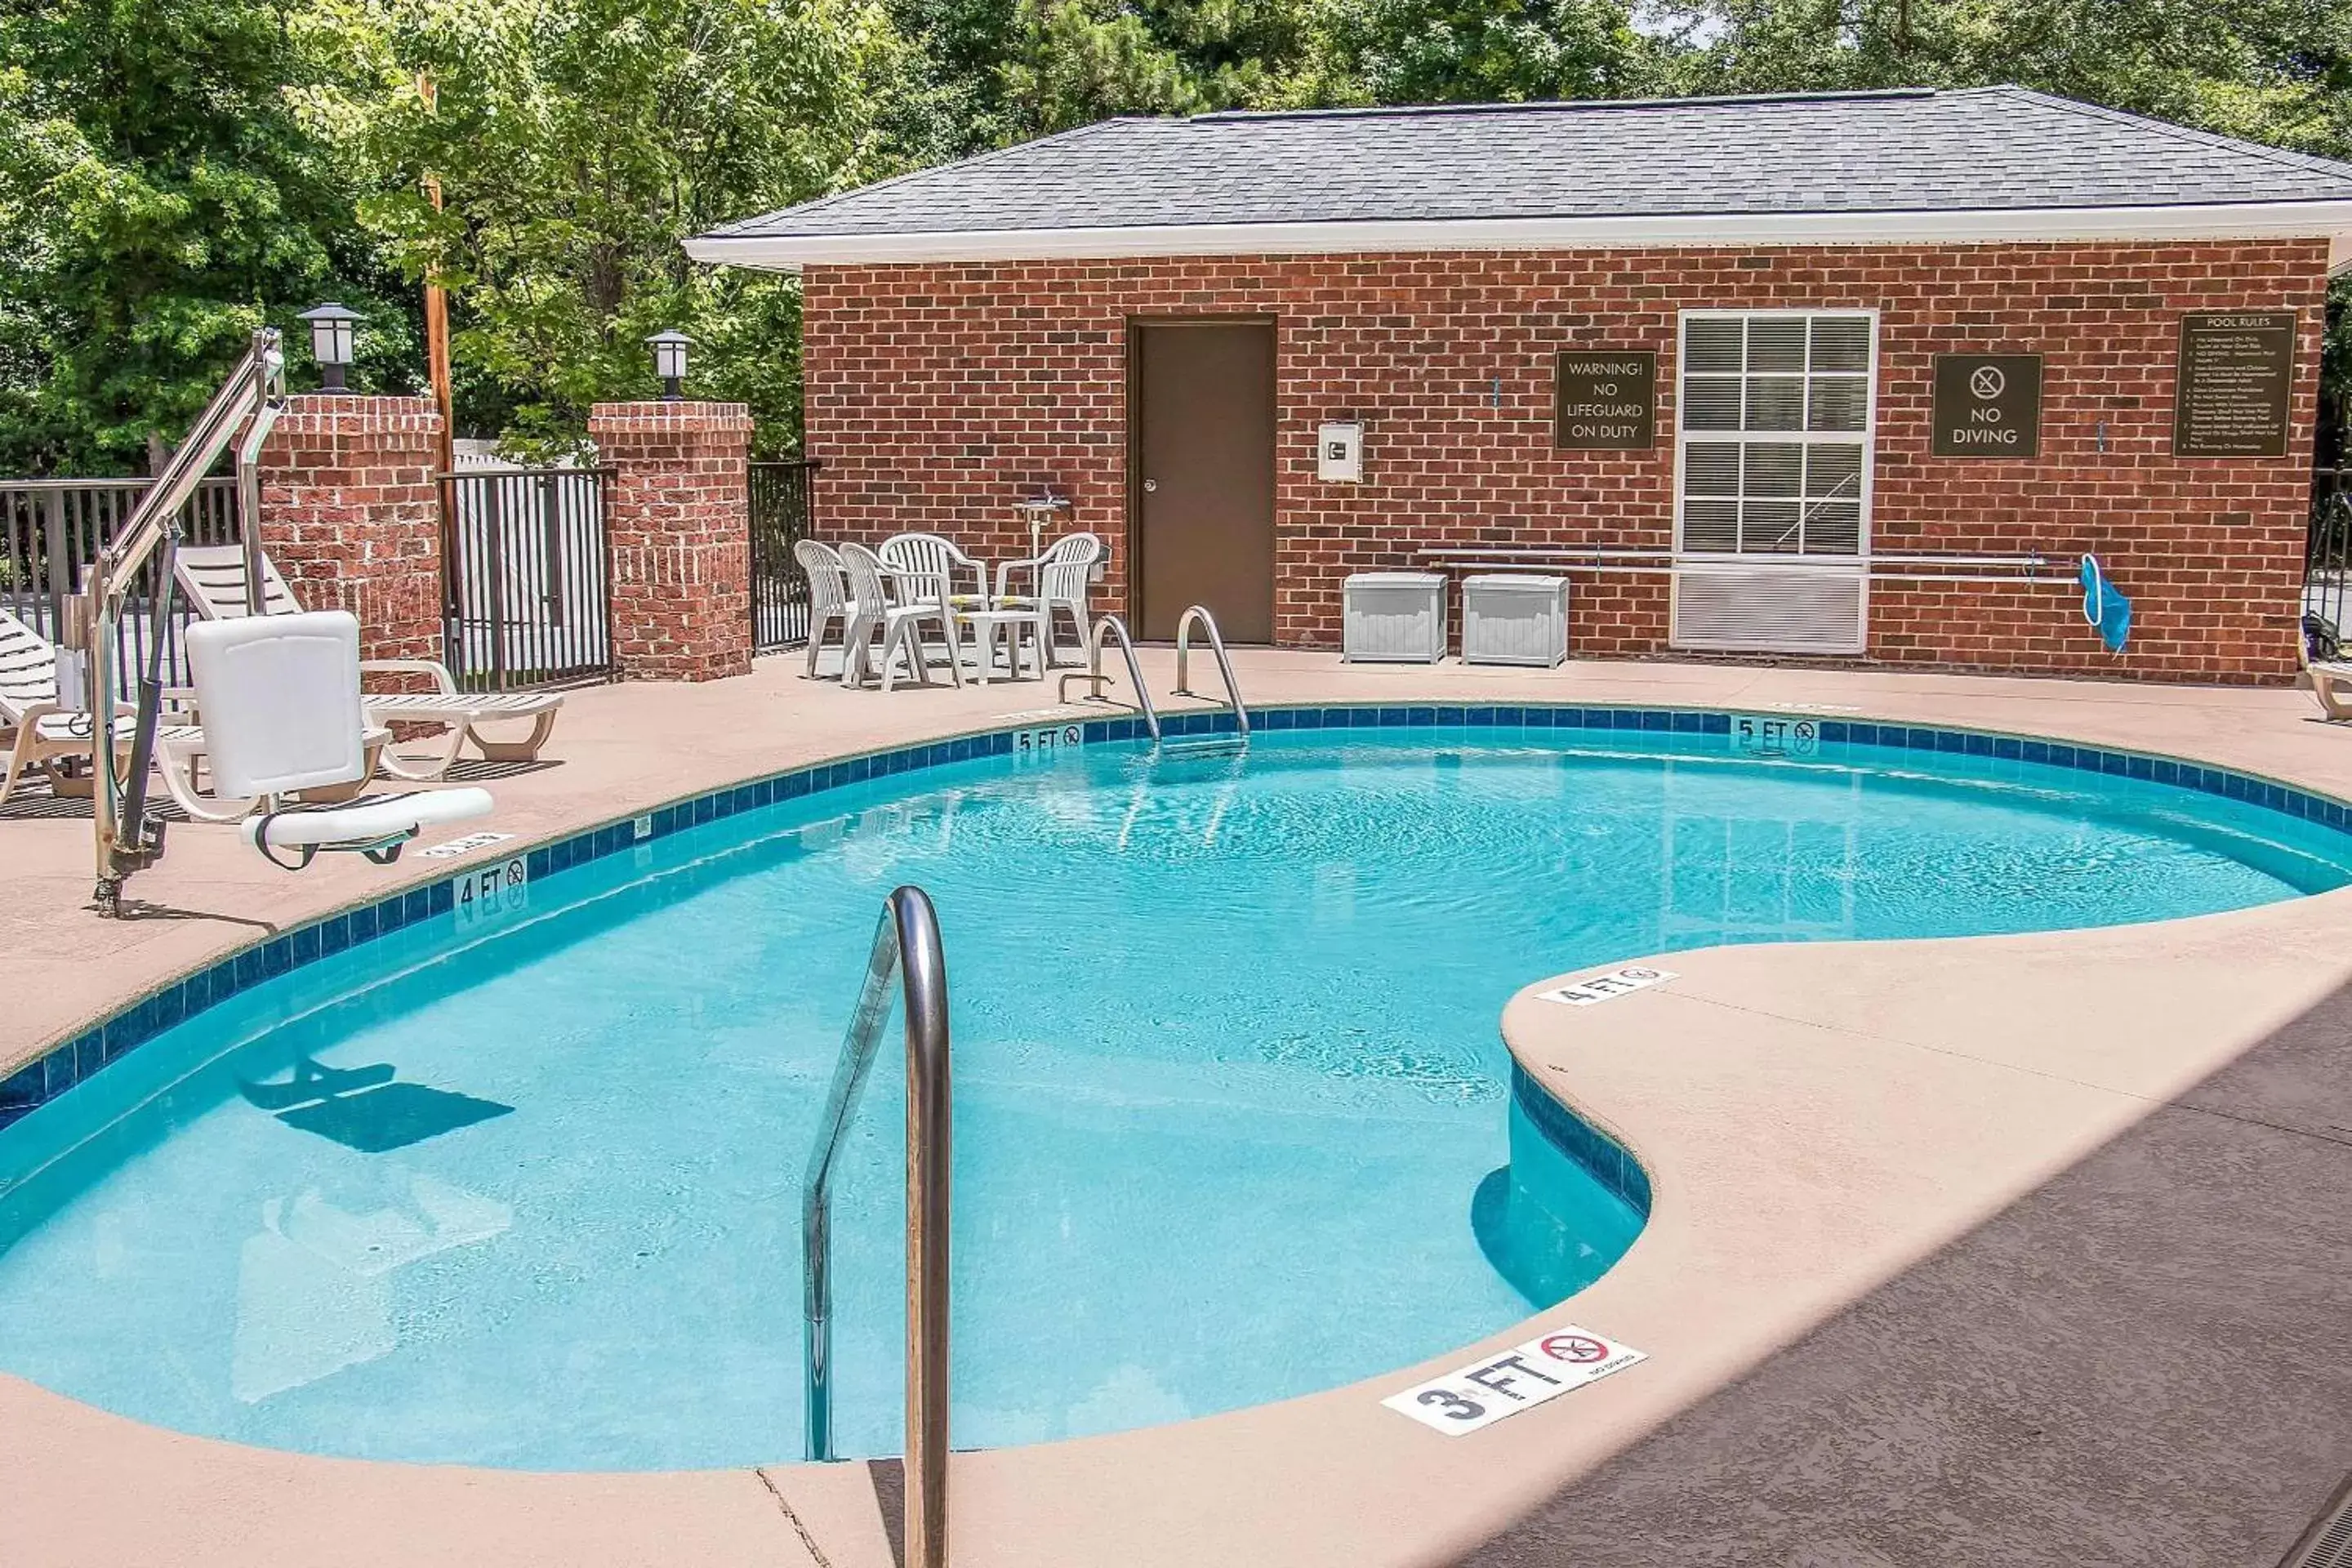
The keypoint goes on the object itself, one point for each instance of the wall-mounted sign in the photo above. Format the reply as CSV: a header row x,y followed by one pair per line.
x,y
2237,369
1606,401
1988,406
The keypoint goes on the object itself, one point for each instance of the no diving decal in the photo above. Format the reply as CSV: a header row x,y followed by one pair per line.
x,y
1521,1378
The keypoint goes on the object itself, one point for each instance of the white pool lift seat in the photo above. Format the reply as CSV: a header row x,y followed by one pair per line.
x,y
213,576
280,697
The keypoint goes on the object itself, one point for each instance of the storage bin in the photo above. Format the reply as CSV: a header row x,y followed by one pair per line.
x,y
1398,616
1512,619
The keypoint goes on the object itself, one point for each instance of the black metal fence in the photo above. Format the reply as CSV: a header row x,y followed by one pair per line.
x,y
782,516
2328,564
52,530
526,597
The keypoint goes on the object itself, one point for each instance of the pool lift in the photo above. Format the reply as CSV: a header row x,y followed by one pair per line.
x,y
260,742
127,838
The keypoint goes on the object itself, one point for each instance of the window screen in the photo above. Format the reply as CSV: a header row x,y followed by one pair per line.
x,y
1775,433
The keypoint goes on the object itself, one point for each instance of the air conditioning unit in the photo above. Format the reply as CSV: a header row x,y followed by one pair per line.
x,y
1394,616
1513,619
1776,607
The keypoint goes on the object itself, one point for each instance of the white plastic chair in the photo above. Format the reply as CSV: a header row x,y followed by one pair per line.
x,y
900,625
829,597
1060,581
930,558
280,695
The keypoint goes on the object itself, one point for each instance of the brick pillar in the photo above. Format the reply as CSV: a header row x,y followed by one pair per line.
x,y
350,513
679,517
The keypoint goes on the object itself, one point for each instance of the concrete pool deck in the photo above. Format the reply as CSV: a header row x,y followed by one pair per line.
x,y
2003,1250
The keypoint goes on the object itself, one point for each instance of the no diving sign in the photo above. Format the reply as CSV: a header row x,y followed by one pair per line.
x,y
1520,1379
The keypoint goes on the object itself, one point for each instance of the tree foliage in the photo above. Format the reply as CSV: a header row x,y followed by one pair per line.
x,y
575,145
175,172
163,193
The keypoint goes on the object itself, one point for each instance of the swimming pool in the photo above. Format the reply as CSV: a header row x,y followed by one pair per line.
x,y
1233,1122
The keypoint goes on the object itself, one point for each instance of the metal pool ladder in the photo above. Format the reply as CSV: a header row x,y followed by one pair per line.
x,y
1208,623
1094,678
906,946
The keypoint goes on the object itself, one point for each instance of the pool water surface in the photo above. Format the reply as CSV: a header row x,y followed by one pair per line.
x,y
1230,1102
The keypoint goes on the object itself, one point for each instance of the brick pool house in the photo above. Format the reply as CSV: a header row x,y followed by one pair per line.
x,y
1816,375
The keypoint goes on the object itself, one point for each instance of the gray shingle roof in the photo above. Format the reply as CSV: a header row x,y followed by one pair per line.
x,y
1990,148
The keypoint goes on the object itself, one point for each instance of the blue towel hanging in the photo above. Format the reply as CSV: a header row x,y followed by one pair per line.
x,y
2105,608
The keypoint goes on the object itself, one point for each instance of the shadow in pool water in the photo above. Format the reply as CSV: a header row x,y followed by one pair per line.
x,y
363,1108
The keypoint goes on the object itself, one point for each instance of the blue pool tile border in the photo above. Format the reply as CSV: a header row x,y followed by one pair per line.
x,y
73,1059
1604,1159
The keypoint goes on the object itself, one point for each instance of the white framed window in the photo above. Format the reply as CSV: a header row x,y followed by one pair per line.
x,y
1773,464
1775,434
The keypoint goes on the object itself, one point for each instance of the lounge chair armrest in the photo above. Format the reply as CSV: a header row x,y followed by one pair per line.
x,y
439,671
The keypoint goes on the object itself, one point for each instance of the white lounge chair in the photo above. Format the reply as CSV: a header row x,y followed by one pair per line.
x,y
1059,580
213,576
280,695
37,732
900,625
2329,679
828,597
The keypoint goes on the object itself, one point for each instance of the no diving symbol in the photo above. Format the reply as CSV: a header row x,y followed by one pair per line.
x,y
1987,383
1576,1348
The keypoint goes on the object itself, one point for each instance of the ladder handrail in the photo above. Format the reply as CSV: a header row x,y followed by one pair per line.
x,y
906,945
1225,666
1134,671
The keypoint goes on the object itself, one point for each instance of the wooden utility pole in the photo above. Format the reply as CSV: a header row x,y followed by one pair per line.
x,y
436,314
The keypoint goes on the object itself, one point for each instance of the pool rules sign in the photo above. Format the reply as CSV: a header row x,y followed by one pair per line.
x,y
1520,1378
2235,386
1988,406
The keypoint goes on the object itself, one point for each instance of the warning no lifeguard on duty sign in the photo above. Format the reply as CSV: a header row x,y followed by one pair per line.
x,y
1518,1379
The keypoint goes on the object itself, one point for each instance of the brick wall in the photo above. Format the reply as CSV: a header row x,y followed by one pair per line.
x,y
937,395
351,514
680,526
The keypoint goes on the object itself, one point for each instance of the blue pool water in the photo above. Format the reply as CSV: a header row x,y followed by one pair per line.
x,y
1230,1101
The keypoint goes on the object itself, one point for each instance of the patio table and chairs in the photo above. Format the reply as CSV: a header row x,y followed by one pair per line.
x,y
915,582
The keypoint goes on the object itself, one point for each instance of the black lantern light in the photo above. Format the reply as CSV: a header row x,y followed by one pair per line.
x,y
670,361
332,336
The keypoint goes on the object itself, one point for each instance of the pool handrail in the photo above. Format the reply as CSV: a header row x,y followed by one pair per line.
x,y
907,946
1094,675
1208,623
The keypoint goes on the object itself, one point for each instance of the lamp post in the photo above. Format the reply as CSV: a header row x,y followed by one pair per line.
x,y
670,361
332,338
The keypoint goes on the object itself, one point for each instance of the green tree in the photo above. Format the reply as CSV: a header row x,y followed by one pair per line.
x,y
576,145
1481,51
164,190
987,73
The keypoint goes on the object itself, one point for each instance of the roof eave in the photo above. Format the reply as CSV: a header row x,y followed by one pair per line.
x,y
2238,220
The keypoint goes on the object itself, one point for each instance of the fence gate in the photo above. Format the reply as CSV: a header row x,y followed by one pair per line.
x,y
2328,564
50,530
525,577
782,516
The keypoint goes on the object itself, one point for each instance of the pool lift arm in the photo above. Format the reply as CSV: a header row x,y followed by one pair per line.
x,y
252,398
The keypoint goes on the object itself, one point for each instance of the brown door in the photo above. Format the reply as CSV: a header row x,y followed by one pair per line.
x,y
1204,478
